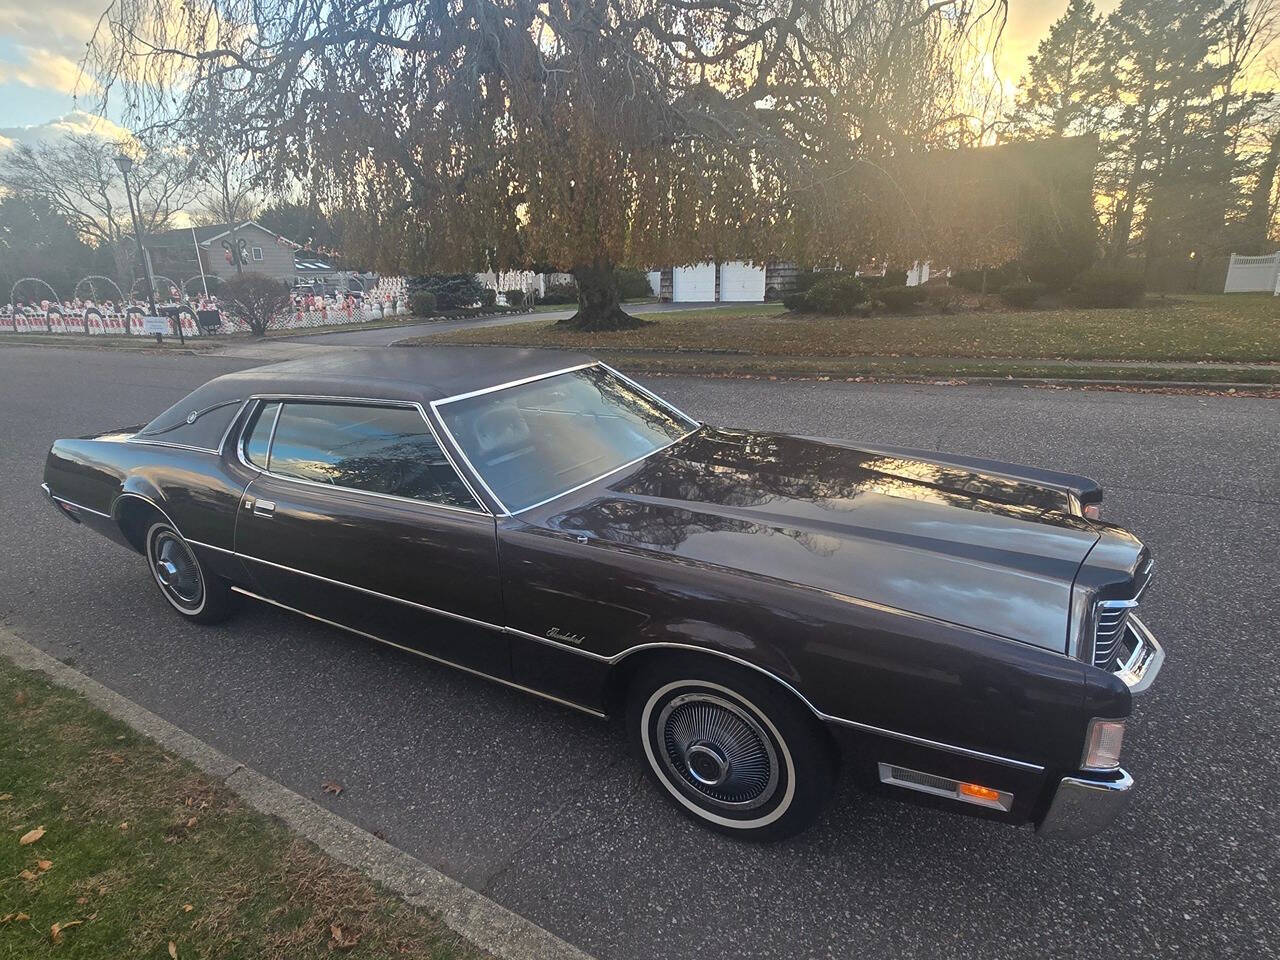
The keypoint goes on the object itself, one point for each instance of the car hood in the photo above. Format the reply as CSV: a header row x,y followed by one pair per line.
x,y
954,544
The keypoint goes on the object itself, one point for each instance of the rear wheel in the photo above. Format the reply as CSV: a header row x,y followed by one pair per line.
x,y
732,749
191,590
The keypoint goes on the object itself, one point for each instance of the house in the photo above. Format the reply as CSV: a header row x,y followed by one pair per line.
x,y
174,252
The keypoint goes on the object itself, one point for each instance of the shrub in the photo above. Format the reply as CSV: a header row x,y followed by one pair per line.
x,y
900,299
1107,287
1022,294
942,298
633,283
254,299
422,304
452,290
561,293
838,294
488,297
997,278
894,278
514,296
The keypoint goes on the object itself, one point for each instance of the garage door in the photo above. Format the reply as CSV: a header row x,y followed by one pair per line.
x,y
694,284
741,281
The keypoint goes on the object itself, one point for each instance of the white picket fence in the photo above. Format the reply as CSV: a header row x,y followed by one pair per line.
x,y
101,319
1253,274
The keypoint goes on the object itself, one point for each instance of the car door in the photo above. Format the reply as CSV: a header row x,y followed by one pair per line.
x,y
356,516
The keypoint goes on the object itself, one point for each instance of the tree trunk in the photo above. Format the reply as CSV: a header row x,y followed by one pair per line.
x,y
598,305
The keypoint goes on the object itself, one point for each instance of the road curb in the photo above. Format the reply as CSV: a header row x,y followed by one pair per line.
x,y
472,915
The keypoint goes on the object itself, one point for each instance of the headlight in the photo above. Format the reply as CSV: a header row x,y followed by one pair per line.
x,y
1102,745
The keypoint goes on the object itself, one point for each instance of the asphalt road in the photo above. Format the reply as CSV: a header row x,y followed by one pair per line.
x,y
541,808
384,336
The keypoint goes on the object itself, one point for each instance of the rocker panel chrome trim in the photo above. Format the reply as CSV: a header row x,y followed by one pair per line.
x,y
419,653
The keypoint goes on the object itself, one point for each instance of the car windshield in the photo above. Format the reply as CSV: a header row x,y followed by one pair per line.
x,y
531,442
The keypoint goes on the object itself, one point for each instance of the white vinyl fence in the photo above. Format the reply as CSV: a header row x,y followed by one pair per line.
x,y
1253,274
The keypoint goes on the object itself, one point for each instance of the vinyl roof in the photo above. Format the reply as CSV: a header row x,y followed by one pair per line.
x,y
419,374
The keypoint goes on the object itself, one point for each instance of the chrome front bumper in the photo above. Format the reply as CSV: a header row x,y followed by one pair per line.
x,y
1082,806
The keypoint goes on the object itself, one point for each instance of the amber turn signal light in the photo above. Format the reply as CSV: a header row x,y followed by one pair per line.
x,y
977,791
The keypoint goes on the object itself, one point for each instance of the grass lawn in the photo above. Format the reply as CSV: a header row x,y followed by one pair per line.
x,y
764,338
111,848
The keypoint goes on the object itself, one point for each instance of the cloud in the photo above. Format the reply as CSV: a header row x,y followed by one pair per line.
x,y
65,24
77,121
43,68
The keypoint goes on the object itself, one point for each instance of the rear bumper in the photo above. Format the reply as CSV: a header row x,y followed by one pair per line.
x,y
1083,805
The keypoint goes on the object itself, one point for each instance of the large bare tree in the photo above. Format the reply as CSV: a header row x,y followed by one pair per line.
x,y
76,177
580,133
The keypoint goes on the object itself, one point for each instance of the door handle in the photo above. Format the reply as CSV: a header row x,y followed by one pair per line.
x,y
264,508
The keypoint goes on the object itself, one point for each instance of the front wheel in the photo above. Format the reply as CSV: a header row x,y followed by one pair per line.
x,y
733,750
195,593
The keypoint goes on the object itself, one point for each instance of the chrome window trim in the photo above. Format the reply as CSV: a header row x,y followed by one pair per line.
x,y
507,511
483,510
512,383
651,395
603,476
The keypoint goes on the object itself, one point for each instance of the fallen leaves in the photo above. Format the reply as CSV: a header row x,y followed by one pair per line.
x,y
173,950
15,918
124,825
44,865
55,931
20,698
6,796
187,908
342,939
31,836
332,786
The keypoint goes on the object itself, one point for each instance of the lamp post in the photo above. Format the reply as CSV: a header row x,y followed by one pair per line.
x,y
124,164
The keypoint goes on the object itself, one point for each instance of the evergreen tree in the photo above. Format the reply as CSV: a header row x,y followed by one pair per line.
x,y
1061,91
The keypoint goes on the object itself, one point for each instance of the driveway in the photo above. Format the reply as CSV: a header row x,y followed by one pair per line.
x,y
541,808
389,335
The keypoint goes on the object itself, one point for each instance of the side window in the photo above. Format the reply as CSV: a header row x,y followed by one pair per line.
x,y
375,448
258,434
257,253
184,423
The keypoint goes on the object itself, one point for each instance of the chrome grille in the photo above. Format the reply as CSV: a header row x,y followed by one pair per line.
x,y
1108,629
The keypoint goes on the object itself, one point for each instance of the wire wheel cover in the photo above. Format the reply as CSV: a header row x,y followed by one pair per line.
x,y
176,569
716,748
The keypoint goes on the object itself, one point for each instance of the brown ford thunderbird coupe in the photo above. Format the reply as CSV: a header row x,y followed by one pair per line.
x,y
763,610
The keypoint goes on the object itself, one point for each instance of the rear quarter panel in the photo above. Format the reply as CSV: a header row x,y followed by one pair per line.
x,y
193,488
